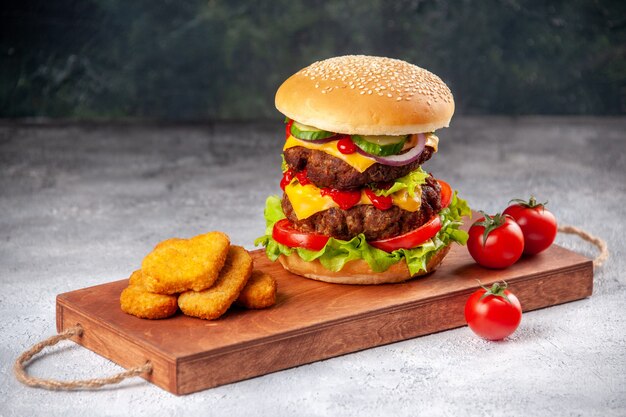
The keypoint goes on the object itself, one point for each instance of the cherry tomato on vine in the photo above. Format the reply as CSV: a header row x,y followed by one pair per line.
x,y
493,313
495,241
537,223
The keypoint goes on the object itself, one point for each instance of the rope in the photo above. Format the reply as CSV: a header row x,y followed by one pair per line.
x,y
53,384
599,243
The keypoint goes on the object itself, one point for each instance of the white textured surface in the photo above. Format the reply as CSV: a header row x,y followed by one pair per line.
x,y
81,206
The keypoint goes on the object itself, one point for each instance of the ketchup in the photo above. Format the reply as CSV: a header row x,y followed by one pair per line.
x,y
379,201
288,130
345,199
302,177
287,177
345,145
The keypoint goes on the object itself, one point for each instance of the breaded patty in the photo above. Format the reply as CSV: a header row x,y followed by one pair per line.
x,y
259,292
138,301
214,301
177,265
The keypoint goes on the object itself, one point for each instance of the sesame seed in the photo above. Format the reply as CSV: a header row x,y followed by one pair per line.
x,y
379,74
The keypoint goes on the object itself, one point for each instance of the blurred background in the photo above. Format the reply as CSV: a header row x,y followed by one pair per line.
x,y
223,60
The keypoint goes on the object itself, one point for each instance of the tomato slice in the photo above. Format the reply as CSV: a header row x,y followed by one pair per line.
x,y
411,239
285,234
446,193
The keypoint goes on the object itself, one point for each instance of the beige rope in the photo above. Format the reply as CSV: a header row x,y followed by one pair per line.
x,y
599,243
53,384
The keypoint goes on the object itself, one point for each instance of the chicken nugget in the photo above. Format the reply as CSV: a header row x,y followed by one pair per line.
x,y
136,279
177,265
259,292
213,302
138,301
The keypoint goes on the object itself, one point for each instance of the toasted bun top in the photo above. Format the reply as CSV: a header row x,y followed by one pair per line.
x,y
366,95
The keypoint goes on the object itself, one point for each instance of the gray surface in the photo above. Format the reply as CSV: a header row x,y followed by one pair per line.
x,y
82,205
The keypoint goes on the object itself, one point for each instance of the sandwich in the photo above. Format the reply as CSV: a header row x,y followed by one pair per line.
x,y
357,206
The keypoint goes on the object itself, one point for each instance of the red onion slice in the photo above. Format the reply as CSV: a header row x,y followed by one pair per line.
x,y
401,159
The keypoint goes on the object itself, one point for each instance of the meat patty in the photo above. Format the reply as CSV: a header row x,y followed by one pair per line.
x,y
375,224
325,170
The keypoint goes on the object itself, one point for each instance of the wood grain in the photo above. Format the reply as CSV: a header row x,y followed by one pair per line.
x,y
311,321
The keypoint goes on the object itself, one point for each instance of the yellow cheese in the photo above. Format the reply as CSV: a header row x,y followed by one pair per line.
x,y
403,200
355,160
307,200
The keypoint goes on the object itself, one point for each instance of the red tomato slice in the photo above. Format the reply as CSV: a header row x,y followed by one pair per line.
x,y
285,234
411,239
446,194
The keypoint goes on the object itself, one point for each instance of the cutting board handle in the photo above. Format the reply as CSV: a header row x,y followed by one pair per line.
x,y
596,241
53,384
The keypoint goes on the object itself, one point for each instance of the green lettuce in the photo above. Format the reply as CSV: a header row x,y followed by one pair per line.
x,y
336,253
409,182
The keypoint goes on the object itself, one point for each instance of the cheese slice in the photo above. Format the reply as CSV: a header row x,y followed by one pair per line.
x,y
307,200
355,160
403,200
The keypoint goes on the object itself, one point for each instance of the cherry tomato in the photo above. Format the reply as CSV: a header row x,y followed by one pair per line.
x,y
495,242
287,177
345,199
537,223
493,313
379,201
446,193
411,239
346,146
285,234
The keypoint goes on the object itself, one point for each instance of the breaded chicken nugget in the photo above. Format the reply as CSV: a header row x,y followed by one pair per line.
x,y
259,292
177,265
136,279
213,302
138,301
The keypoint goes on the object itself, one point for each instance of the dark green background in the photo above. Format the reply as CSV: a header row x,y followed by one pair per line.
x,y
216,60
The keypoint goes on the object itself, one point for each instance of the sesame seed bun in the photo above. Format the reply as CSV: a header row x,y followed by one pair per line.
x,y
358,271
366,95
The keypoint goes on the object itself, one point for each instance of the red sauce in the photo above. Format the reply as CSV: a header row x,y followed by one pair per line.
x,y
287,177
302,177
345,199
379,201
288,129
345,145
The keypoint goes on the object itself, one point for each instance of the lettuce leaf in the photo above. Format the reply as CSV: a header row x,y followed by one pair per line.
x,y
337,252
409,182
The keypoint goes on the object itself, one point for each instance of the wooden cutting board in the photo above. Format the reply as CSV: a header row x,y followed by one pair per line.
x,y
311,320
